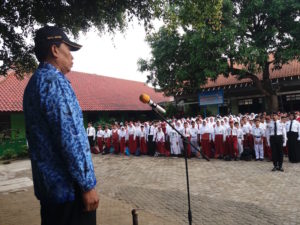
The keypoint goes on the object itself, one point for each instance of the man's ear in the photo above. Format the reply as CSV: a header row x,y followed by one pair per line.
x,y
54,51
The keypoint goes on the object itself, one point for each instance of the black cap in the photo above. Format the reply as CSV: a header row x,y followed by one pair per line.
x,y
52,34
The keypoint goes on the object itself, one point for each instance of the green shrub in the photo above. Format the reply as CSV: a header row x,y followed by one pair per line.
x,y
8,154
13,149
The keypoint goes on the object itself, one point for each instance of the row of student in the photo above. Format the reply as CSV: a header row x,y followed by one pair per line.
x,y
218,137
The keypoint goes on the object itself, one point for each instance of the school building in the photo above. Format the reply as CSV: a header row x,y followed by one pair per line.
x,y
230,95
100,98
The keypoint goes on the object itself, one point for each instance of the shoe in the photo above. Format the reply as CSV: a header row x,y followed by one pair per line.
x,y
280,169
261,159
274,169
256,159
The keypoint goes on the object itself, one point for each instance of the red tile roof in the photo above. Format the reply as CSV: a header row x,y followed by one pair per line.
x,y
95,93
288,70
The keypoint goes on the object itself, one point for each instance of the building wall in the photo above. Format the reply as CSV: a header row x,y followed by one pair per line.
x,y
234,106
17,122
213,109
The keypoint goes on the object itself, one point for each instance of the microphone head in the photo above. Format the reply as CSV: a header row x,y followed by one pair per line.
x,y
144,98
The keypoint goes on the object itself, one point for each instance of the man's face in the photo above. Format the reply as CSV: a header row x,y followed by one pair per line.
x,y
64,58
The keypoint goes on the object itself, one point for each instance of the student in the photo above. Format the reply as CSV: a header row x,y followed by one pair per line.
x,y
205,139
122,133
115,139
107,140
293,138
231,148
143,140
160,141
91,133
258,134
219,140
100,138
276,138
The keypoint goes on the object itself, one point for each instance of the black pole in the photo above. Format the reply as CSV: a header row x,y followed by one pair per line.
x,y
134,217
186,142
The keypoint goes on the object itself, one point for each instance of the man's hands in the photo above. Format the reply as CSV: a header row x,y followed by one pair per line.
x,y
90,200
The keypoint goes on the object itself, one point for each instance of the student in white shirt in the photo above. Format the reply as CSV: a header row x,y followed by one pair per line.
x,y
91,133
258,134
293,136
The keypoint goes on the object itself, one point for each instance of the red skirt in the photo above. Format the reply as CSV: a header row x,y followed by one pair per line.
x,y
122,145
143,145
115,143
219,145
206,145
100,143
160,147
132,144
231,146
107,142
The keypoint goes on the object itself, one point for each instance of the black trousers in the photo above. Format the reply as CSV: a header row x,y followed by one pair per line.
x,y
292,144
69,213
151,145
91,141
277,151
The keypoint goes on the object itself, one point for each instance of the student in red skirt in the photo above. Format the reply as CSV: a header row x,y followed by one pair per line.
x,y
131,138
219,140
231,148
187,134
100,138
107,140
122,133
115,139
205,138
143,140
160,142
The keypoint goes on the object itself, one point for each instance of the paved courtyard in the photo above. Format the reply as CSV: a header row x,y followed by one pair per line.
x,y
235,192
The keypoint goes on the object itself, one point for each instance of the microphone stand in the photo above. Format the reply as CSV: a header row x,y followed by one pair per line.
x,y
186,142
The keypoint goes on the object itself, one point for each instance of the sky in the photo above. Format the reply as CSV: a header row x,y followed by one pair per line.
x,y
113,55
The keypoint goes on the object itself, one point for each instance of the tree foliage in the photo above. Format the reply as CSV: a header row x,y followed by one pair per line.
x,y
253,34
19,19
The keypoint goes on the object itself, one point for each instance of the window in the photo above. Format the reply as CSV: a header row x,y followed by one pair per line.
x,y
245,102
295,97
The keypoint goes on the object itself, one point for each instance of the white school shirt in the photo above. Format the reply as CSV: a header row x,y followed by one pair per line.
x,y
91,132
122,133
257,132
107,134
194,132
100,133
186,132
231,132
141,133
270,130
219,130
206,129
295,127
160,136
131,131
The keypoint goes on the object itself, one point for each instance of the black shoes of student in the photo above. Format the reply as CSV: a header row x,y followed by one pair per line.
x,y
280,169
274,169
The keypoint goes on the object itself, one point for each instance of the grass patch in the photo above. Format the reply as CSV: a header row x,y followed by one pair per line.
x,y
11,149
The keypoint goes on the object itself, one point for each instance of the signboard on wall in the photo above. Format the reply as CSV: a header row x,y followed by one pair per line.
x,y
211,98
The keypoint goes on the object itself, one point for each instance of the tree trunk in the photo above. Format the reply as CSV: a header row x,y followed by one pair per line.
x,y
271,103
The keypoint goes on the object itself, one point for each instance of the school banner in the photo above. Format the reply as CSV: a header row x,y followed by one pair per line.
x,y
211,98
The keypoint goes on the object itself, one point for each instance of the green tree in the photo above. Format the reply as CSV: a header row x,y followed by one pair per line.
x,y
19,19
253,34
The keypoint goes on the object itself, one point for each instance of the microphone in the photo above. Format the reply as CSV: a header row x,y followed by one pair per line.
x,y
144,98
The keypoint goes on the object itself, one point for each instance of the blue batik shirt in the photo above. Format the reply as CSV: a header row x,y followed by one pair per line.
x,y
58,144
